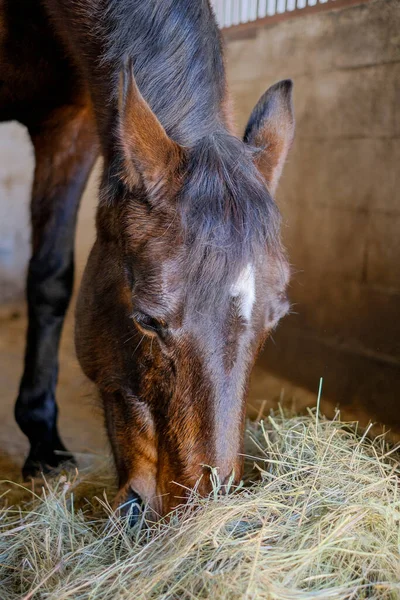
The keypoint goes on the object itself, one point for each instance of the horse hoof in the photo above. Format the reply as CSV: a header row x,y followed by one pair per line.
x,y
42,462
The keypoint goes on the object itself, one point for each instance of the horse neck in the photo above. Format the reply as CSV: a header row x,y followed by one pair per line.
x,y
177,58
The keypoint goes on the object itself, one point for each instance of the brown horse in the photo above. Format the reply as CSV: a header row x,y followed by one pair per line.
x,y
187,275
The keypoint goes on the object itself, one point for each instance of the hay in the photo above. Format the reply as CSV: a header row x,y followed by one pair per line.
x,y
321,522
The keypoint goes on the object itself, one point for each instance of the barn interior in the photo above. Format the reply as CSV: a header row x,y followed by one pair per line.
x,y
317,515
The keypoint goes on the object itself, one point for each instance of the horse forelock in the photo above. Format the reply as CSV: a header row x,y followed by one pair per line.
x,y
228,217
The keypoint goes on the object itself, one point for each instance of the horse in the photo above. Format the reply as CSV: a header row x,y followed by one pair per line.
x,y
188,275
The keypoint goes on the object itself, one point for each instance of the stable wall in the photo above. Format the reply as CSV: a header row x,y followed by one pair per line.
x,y
339,196
16,175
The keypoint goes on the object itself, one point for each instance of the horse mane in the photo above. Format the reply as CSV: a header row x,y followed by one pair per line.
x,y
177,57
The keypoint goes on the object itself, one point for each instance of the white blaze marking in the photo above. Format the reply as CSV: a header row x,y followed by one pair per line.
x,y
245,290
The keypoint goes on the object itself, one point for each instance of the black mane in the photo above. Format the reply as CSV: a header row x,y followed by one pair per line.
x,y
176,52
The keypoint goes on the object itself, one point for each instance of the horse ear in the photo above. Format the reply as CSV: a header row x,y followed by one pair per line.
x,y
271,129
146,147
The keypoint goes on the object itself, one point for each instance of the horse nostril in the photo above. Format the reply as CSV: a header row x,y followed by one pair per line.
x,y
132,507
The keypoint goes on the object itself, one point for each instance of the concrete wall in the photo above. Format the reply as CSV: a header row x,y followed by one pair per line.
x,y
16,174
16,170
340,196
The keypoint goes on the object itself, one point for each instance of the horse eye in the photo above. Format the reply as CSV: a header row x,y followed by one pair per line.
x,y
150,324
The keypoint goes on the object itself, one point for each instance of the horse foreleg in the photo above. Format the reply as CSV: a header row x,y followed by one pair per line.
x,y
65,150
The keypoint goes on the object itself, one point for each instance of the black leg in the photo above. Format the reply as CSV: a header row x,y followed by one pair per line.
x,y
65,149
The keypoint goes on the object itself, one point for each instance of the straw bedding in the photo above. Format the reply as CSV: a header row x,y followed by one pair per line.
x,y
317,518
